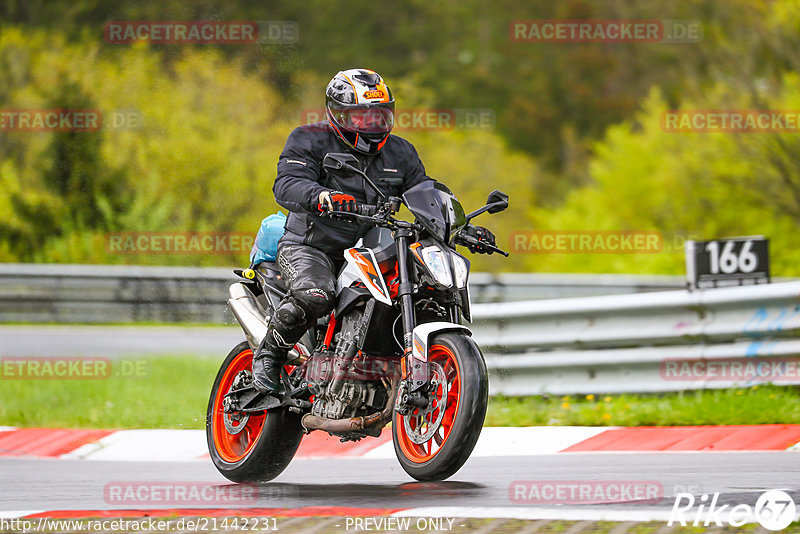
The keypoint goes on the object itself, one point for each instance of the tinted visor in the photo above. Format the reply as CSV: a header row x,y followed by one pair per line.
x,y
375,118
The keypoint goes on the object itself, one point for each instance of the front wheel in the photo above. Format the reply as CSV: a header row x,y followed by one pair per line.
x,y
253,447
433,443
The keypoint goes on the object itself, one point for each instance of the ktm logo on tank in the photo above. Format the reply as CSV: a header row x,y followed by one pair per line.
x,y
373,94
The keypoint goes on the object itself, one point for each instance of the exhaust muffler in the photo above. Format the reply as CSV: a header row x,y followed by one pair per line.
x,y
254,320
252,317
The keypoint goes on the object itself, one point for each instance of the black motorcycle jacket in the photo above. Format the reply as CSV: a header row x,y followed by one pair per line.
x,y
301,178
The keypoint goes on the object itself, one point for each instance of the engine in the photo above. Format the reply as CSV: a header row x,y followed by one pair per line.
x,y
362,391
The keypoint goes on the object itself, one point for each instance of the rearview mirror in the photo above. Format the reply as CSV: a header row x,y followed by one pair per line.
x,y
340,161
498,201
337,162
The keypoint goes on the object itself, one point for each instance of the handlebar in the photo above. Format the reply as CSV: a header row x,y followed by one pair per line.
x,y
361,209
368,213
364,209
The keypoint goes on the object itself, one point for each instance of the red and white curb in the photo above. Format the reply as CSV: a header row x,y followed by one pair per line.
x,y
189,445
303,511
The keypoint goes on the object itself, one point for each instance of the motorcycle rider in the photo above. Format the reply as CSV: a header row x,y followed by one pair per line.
x,y
360,114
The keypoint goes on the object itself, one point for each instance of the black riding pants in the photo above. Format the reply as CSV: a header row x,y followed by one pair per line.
x,y
310,275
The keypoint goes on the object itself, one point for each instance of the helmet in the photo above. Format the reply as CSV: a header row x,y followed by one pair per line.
x,y
360,108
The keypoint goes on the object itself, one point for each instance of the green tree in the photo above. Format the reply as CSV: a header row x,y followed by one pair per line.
x,y
685,185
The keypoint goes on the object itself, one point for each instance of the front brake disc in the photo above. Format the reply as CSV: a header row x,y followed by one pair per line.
x,y
428,419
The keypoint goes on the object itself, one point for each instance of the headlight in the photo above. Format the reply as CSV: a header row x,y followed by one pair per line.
x,y
461,271
436,262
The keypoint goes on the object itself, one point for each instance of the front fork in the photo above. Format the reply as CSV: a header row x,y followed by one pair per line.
x,y
415,378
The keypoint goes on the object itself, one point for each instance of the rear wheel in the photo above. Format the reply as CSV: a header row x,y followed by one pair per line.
x,y
253,447
433,443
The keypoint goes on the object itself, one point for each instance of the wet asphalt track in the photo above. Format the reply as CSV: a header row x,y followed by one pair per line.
x,y
49,484
44,484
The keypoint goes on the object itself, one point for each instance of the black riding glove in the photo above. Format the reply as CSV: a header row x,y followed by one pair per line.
x,y
484,237
336,201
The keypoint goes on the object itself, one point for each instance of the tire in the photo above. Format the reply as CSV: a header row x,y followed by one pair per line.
x,y
461,424
266,444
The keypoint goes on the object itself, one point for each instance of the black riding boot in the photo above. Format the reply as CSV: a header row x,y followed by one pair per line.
x,y
268,360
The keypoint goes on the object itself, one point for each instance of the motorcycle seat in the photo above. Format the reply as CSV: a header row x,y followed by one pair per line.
x,y
270,274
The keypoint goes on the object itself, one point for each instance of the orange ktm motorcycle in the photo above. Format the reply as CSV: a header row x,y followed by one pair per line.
x,y
393,349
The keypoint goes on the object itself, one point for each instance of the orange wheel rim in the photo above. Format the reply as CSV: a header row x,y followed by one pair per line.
x,y
450,391
234,447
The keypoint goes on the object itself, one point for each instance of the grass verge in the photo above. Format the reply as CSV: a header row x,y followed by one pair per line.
x,y
158,392
742,406
172,392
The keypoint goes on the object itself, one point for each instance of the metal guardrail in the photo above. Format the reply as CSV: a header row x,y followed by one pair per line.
x,y
621,343
52,293
574,344
509,287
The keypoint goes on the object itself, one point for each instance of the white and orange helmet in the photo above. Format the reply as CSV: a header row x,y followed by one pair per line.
x,y
360,108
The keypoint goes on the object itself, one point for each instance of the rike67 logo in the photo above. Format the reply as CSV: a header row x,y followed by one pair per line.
x,y
774,510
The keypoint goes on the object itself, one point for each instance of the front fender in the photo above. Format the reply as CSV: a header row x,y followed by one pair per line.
x,y
423,332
